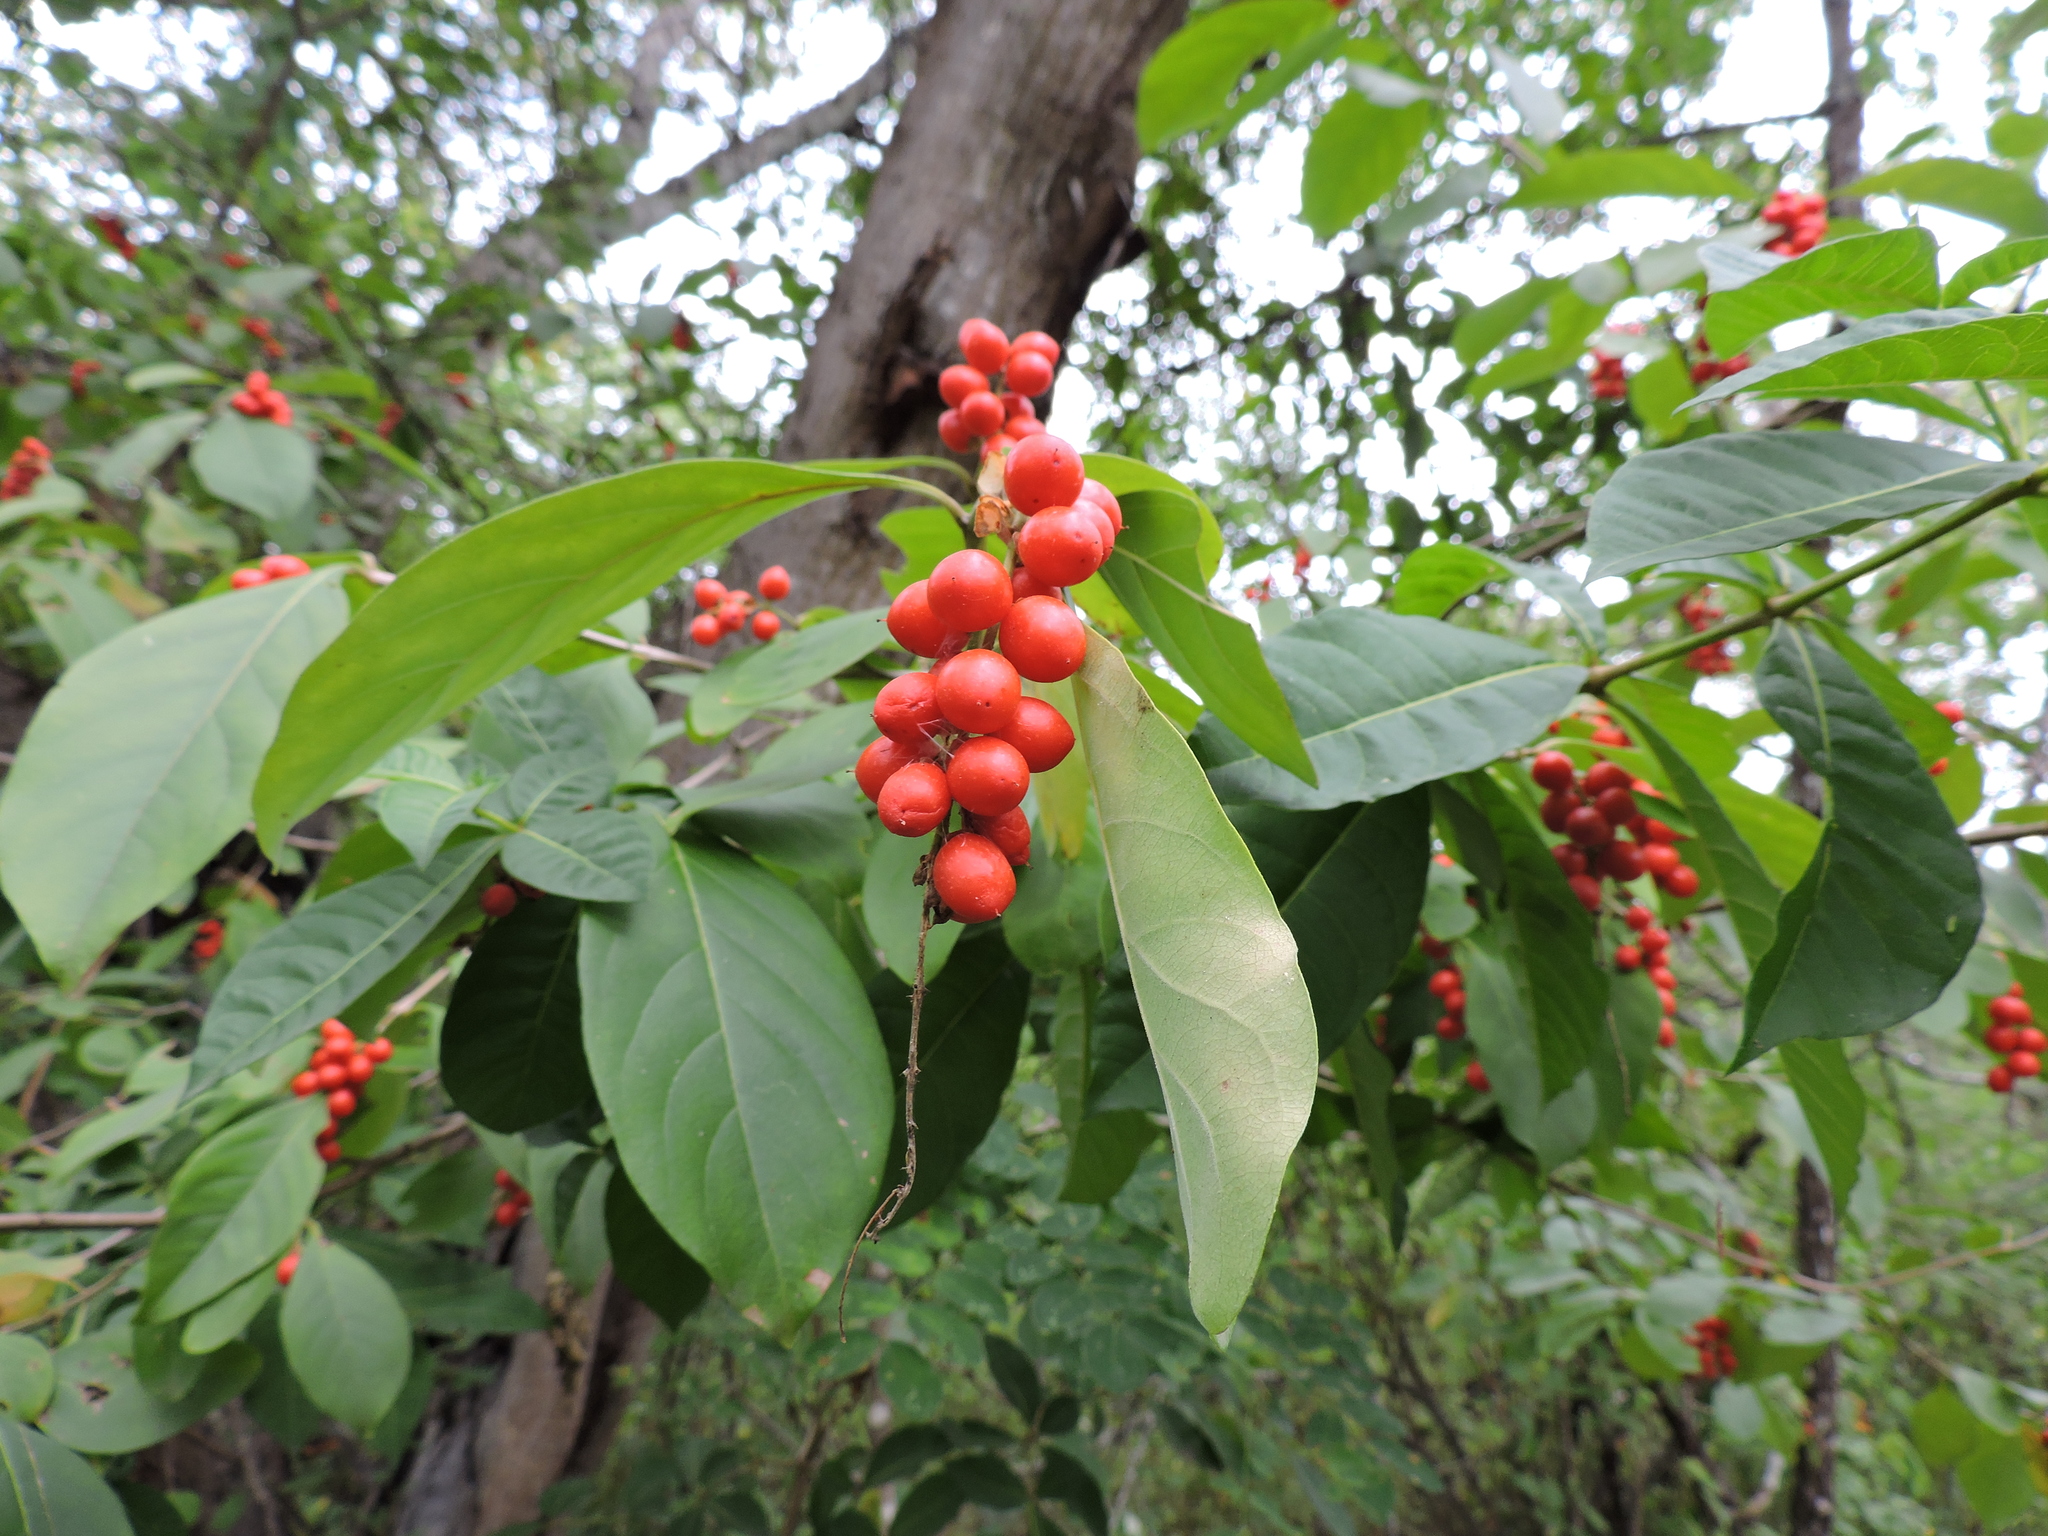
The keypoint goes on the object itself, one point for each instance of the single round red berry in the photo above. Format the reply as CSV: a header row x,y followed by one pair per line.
x,y
915,800
1104,528
2011,1010
767,626
1621,861
1020,427
879,761
1476,1079
287,1267
1662,976
1667,999
1448,1028
706,630
981,413
1588,828
2024,1064
1044,639
1023,584
333,1030
1587,889
283,567
1683,882
1617,805
1553,771
507,1214
1043,471
953,432
1660,859
498,900
2002,1038
1037,341
1667,1034
913,624
1571,860
360,1070
306,1084
1603,776
1010,832
1655,941
968,590
1099,494
774,584
330,1151
1041,733
1951,710
959,381
504,1180
997,446
1028,373
332,1074
341,1103
1655,831
984,345
1061,548
1444,982
732,613
988,776
1015,406
2032,1039
378,1049
1454,1003
1999,1079
1627,957
709,593
1557,808
978,691
249,576
973,878
907,708
1638,918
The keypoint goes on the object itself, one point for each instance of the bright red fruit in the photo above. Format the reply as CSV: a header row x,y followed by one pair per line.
x,y
1037,341
1661,975
378,1049
1557,808
732,613
1023,584
1587,889
1617,805
1627,957
1951,711
1104,528
1448,1028
1683,882
1588,828
968,590
498,900
1999,1079
774,583
1099,494
973,878
1660,859
1655,940
988,776
283,567
953,432
2011,1010
767,626
1444,982
248,576
1454,1004
330,1151
1570,859
1043,471
2002,1038
1655,831
1604,776
981,414
1622,861
879,762
984,345
911,620
706,630
915,800
2031,1039
1476,1079
907,709
1061,548
1016,405
1667,1035
287,1267
1010,832
1028,373
1638,918
1044,639
341,1103
1552,771
507,1214
2024,1064
360,1070
306,1084
1667,999
1017,428
978,691
708,593
1041,733
959,381
333,1030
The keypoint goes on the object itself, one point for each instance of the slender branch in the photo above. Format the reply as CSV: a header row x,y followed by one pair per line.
x,y
448,1130
2006,832
1779,607
77,1221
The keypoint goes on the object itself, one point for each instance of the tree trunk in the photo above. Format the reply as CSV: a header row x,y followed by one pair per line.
x,y
1007,190
1844,149
1813,1476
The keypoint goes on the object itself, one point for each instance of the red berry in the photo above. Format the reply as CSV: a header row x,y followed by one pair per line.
x,y
2002,1038
2015,990
732,613
978,691
1018,428
1999,1079
1036,341
283,567
981,413
1028,373
1041,733
1937,768
774,584
1476,1079
361,1070
1446,981
1044,639
1096,492
507,1214
708,593
705,629
1454,1004
1660,859
1023,584
287,1267
2011,1010
997,446
915,800
766,626
1667,999
913,624
498,900
1638,918
879,762
1104,528
953,432
1570,859
378,1049
1043,471
1627,957
306,1084
1588,828
332,1075
968,590
1655,831
330,1151
1552,771
341,1103
1587,889
1617,805
984,345
1951,711
1683,882
988,776
248,576
973,878
1061,548
1655,941
1667,1035
907,708
2031,1039
1010,832
1608,736
959,381
503,1179
1016,406
1661,975
1604,776
2024,1064
333,1030
1622,862
1557,809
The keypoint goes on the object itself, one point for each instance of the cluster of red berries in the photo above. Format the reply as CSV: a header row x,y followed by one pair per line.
x,y
1652,950
340,1065
1605,732
976,407
28,464
1590,811
270,568
515,1204
728,611
1606,377
259,329
1447,986
115,232
82,370
1717,1356
256,398
2012,1035
1707,368
206,939
1802,215
1700,612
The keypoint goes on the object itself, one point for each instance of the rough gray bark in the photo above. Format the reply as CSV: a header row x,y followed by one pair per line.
x,y
1844,150
1813,1475
1007,190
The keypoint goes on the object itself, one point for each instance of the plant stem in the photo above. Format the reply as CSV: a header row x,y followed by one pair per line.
x,y
1775,608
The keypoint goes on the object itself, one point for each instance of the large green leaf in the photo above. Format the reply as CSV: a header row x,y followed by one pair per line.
x,y
234,1206
1437,577
2008,199
443,1291
1349,883
1189,80
505,594
256,465
346,1335
1225,1007
52,1491
1862,275
1833,1103
1385,703
90,839
645,1259
893,909
327,954
1355,157
739,1064
1886,912
1500,1000
766,674
1479,331
1572,181
102,1408
1372,1089
595,855
512,1043
1998,265
1914,346
967,1053
127,466
1739,491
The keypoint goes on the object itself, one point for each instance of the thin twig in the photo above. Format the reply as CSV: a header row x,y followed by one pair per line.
x,y
76,1221
412,999
448,1130
2010,832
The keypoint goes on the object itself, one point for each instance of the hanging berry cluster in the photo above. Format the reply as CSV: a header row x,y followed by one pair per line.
x,y
727,612
1591,811
989,396
1717,1356
2012,1035
270,568
259,330
28,464
1651,949
257,398
1606,377
341,1064
514,1201
1699,612
1706,368
1447,986
1802,215
207,939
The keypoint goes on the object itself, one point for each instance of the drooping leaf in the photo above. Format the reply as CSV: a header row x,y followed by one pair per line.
x,y
589,855
102,1408
1225,1007
1863,275
967,1053
1481,330
1188,82
1356,156
646,1260
512,1042
738,1061
27,1377
505,594
131,461
1500,1000
2006,198
1914,346
345,1335
51,1491
1998,265
327,954
1739,491
91,839
1053,925
1372,1087
1886,912
893,908
1386,703
1572,181
1834,1105
793,662
256,465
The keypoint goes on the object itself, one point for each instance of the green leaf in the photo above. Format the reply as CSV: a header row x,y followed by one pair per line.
x,y
102,1408
1862,275
1015,1376
256,465
1437,577
1155,573
326,955
967,1053
1482,330
51,1491
71,605
28,1376
267,288
646,1260
130,462
926,535
1053,924
1372,1088
793,662
129,1123
1066,1479
512,1043
1995,1478
1915,346
344,383
1998,265
1886,912
92,839
166,376
345,1335
1833,1102
1355,157
893,908
424,798
1225,1007
1572,181
505,594
1190,79
1500,997
1738,491
444,1292
2008,199
234,1206
227,1315
806,753
1349,883
1944,1431
740,1067
1386,703
590,855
